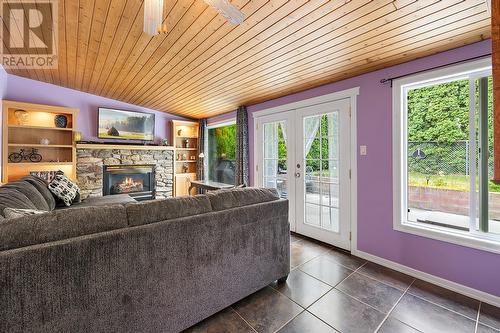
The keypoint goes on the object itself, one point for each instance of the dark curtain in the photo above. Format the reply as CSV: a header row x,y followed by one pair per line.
x,y
202,143
241,176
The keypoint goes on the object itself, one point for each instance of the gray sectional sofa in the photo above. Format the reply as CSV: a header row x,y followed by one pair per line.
x,y
154,266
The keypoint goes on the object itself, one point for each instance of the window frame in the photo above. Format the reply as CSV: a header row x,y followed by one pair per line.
x,y
223,123
400,87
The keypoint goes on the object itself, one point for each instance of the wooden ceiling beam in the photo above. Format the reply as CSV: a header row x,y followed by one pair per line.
x,y
357,66
342,54
322,78
204,66
357,39
264,21
133,45
182,15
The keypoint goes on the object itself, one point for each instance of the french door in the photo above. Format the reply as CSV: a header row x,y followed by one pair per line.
x,y
305,156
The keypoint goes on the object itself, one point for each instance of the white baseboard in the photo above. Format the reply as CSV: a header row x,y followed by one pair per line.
x,y
467,291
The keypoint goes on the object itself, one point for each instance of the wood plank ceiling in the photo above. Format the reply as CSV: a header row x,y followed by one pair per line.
x,y
205,66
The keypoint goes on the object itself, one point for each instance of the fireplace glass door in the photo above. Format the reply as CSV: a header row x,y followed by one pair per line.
x,y
137,181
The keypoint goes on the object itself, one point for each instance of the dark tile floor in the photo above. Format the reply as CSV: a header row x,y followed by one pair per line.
x,y
331,291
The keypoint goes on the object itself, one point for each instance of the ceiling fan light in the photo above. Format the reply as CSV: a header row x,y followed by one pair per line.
x,y
227,10
153,16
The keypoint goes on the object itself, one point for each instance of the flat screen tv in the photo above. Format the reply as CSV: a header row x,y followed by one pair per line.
x,y
125,125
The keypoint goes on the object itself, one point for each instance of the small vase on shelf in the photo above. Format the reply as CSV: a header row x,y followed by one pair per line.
x,y
61,121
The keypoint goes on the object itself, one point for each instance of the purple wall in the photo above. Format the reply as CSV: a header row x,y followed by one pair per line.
x,y
474,268
3,90
25,90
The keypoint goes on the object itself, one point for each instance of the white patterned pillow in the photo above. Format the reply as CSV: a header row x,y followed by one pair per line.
x,y
12,213
63,188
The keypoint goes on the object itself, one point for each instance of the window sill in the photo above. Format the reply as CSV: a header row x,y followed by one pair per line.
x,y
472,240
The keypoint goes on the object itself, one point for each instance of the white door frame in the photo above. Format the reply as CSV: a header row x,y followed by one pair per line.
x,y
352,95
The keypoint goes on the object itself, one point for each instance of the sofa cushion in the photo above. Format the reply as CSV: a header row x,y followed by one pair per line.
x,y
59,225
237,197
63,188
103,201
166,209
31,192
41,186
12,213
12,198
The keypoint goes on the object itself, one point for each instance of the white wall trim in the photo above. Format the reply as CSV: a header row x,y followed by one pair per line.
x,y
220,123
453,286
354,169
348,93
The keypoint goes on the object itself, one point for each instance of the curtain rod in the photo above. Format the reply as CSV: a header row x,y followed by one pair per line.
x,y
390,79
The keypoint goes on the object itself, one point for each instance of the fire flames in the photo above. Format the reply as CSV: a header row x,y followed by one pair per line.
x,y
127,185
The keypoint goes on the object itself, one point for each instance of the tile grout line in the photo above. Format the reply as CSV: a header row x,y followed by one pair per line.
x,y
394,306
333,287
357,299
246,322
477,317
406,291
442,306
419,297
383,282
288,321
305,308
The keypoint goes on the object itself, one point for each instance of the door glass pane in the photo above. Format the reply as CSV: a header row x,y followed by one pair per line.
x,y
439,156
312,214
275,171
321,179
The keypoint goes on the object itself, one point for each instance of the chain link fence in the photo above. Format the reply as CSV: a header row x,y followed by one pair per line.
x,y
432,158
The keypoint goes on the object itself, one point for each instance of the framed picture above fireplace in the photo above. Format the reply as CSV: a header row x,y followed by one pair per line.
x,y
125,125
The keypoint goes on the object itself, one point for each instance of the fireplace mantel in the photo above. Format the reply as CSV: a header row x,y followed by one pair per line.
x,y
121,147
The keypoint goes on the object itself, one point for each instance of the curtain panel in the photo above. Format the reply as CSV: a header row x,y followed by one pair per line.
x,y
202,151
241,173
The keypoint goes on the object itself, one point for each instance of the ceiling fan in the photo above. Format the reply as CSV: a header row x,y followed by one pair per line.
x,y
153,14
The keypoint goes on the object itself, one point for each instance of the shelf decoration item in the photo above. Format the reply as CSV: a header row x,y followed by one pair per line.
x,y
44,141
164,142
22,117
61,121
186,143
32,156
179,132
77,136
46,175
185,168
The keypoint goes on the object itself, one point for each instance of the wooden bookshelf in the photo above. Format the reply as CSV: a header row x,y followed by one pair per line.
x,y
26,132
185,141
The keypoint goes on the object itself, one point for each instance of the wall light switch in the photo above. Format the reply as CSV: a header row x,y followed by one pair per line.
x,y
362,150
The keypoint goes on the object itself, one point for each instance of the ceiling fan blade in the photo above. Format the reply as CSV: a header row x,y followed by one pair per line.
x,y
227,10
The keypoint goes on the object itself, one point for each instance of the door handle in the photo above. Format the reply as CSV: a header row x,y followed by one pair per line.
x,y
297,175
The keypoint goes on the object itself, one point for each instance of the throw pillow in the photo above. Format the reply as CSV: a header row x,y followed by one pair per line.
x,y
12,213
63,188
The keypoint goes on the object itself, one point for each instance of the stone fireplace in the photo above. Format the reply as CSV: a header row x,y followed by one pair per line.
x,y
103,169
